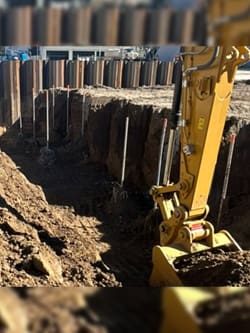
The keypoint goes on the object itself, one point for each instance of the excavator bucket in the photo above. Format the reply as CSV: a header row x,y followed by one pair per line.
x,y
194,309
178,306
165,272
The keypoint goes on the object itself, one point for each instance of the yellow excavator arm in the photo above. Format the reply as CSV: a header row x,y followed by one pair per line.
x,y
205,85
202,97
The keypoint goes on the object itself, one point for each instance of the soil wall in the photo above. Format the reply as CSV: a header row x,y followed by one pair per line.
x,y
97,123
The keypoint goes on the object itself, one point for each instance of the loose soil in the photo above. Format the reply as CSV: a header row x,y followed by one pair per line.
x,y
215,268
80,310
76,249
226,313
111,250
112,310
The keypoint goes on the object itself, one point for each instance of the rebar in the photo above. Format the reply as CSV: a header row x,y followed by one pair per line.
x,y
83,114
125,151
67,116
47,119
163,135
170,155
53,107
34,114
227,175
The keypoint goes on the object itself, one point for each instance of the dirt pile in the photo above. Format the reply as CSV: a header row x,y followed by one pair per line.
x,y
43,244
75,310
87,240
217,268
226,313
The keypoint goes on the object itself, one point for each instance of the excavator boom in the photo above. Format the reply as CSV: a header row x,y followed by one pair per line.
x,y
204,89
206,80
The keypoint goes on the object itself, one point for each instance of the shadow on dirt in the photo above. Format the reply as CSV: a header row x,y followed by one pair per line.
x,y
102,310
126,310
88,188
73,181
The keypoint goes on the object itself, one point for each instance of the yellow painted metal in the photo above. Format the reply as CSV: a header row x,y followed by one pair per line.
x,y
179,304
208,77
164,271
178,307
229,22
206,95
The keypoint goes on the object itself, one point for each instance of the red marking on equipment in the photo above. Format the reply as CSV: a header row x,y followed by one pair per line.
x,y
233,137
196,226
165,123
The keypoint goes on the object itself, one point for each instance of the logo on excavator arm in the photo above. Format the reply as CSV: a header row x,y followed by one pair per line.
x,y
201,123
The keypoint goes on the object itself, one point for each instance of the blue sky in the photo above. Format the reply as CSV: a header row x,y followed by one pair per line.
x,y
182,3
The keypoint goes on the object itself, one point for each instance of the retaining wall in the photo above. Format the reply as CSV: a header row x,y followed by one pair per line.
x,y
20,82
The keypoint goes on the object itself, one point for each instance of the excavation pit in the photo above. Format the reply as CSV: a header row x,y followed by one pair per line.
x,y
67,207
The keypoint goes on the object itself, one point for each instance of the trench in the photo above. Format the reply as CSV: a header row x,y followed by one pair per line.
x,y
86,169
102,142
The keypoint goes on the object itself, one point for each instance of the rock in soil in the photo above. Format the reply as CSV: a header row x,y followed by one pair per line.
x,y
47,262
